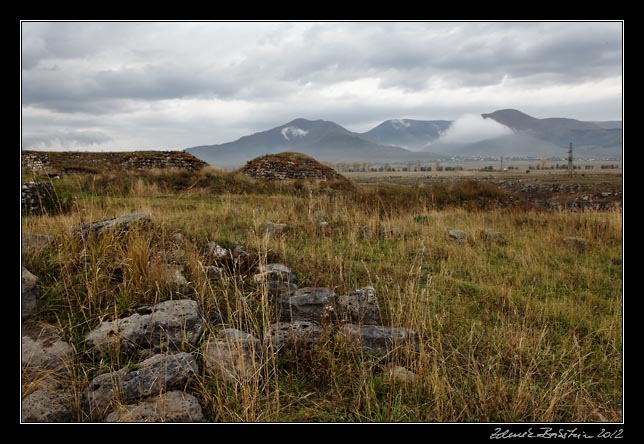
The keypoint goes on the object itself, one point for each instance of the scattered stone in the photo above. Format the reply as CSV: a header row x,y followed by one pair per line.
x,y
307,304
174,406
214,273
233,355
171,275
155,375
323,224
32,242
239,252
494,236
121,223
361,306
29,294
169,325
46,352
270,228
45,405
293,335
39,198
378,339
576,242
274,272
216,251
279,288
398,373
458,235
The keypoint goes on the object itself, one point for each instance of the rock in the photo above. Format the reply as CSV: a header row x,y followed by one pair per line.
x,y
494,236
214,273
216,251
270,228
323,224
170,275
39,198
174,406
46,352
458,235
233,355
278,288
29,294
293,335
378,339
274,272
576,242
360,306
121,224
155,375
169,325
398,373
45,405
307,304
32,242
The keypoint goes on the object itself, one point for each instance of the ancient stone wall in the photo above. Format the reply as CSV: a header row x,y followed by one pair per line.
x,y
282,167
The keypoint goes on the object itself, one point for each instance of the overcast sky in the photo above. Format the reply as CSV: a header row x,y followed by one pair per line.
x,y
137,85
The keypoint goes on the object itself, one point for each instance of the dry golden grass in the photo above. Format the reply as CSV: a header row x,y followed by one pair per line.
x,y
528,331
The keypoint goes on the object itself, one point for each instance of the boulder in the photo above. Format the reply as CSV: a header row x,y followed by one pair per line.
x,y
458,235
307,304
32,242
397,373
155,375
47,405
121,224
216,251
46,351
293,335
494,236
274,272
169,325
174,406
233,355
29,294
360,306
377,339
278,288
271,229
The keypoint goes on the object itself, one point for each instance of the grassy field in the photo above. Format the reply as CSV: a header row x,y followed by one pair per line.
x,y
529,331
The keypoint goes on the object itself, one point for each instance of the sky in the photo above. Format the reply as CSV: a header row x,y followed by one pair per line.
x,y
110,86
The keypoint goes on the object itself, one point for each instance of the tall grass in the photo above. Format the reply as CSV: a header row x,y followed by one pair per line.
x,y
527,331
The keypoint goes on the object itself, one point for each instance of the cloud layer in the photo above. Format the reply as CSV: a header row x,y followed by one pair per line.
x,y
147,85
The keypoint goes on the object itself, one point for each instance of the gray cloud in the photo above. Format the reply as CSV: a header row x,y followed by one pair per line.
x,y
204,81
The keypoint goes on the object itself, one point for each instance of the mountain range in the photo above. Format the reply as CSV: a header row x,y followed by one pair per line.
x,y
406,140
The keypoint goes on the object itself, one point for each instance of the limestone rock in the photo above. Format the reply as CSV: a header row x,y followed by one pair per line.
x,y
29,294
158,374
169,325
174,406
45,405
46,352
494,236
378,339
271,229
293,335
307,304
274,272
214,273
278,288
121,223
398,373
457,235
32,242
360,306
216,251
233,355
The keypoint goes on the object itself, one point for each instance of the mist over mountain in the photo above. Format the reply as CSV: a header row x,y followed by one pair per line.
x,y
506,132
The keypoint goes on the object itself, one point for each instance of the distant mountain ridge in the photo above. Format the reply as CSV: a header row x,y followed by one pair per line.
x,y
407,140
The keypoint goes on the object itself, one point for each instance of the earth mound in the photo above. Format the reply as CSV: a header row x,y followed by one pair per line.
x,y
287,166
